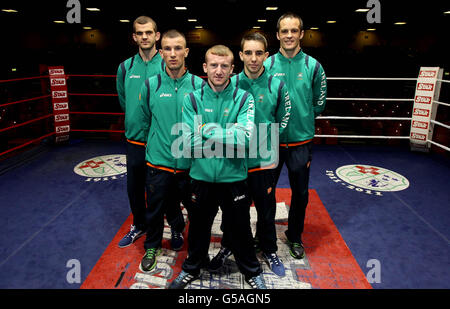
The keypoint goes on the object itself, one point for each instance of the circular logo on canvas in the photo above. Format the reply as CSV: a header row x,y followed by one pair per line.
x,y
368,179
102,168
372,178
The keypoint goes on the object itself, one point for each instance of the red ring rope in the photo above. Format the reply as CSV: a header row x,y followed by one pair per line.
x,y
27,143
25,123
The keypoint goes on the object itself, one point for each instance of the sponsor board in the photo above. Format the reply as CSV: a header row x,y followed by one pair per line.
x,y
427,89
58,88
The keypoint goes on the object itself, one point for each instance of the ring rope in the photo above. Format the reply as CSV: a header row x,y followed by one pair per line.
x,y
94,94
363,118
102,131
442,103
26,100
439,145
363,136
370,99
85,75
27,143
373,78
95,113
23,78
440,124
26,122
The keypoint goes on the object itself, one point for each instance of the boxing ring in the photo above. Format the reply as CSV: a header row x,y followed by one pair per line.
x,y
378,215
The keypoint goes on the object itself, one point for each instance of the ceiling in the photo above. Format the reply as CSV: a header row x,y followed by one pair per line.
x,y
228,17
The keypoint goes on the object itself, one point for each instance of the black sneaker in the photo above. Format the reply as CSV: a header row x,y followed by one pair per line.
x,y
182,280
177,240
256,282
148,262
217,262
296,249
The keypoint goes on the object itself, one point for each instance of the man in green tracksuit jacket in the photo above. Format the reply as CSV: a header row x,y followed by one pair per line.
x,y
272,107
218,121
161,103
307,86
130,76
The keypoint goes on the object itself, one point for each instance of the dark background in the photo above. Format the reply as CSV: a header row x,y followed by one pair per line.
x,y
30,37
31,41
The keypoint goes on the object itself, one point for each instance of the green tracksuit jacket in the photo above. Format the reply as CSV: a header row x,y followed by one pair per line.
x,y
272,105
161,104
307,86
130,77
219,128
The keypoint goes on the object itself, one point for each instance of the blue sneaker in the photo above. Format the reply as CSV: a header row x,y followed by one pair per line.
x,y
177,240
182,280
256,282
275,264
130,237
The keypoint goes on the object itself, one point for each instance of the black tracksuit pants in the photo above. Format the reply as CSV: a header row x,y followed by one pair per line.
x,y
262,192
165,191
136,170
297,159
235,202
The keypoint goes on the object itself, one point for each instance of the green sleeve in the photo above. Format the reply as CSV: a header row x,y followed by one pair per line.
x,y
319,91
120,87
192,125
144,103
284,109
239,134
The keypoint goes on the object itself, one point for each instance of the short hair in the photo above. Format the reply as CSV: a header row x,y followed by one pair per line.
x,y
220,50
254,36
142,20
173,33
289,15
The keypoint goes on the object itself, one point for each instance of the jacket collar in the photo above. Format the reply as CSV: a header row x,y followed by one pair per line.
x,y
261,77
206,89
167,77
298,56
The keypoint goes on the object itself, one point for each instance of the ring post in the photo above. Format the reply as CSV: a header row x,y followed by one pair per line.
x,y
60,102
427,90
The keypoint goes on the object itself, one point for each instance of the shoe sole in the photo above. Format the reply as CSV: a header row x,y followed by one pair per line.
x,y
136,238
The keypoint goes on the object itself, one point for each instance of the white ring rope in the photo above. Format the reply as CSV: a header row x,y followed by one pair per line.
x,y
370,99
372,78
364,136
440,124
379,118
439,145
442,103
364,118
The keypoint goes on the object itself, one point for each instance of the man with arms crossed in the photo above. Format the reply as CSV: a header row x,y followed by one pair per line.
x,y
307,86
161,101
219,120
272,106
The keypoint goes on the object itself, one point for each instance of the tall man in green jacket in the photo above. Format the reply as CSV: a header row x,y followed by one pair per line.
x,y
218,121
130,75
307,86
272,109
161,102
